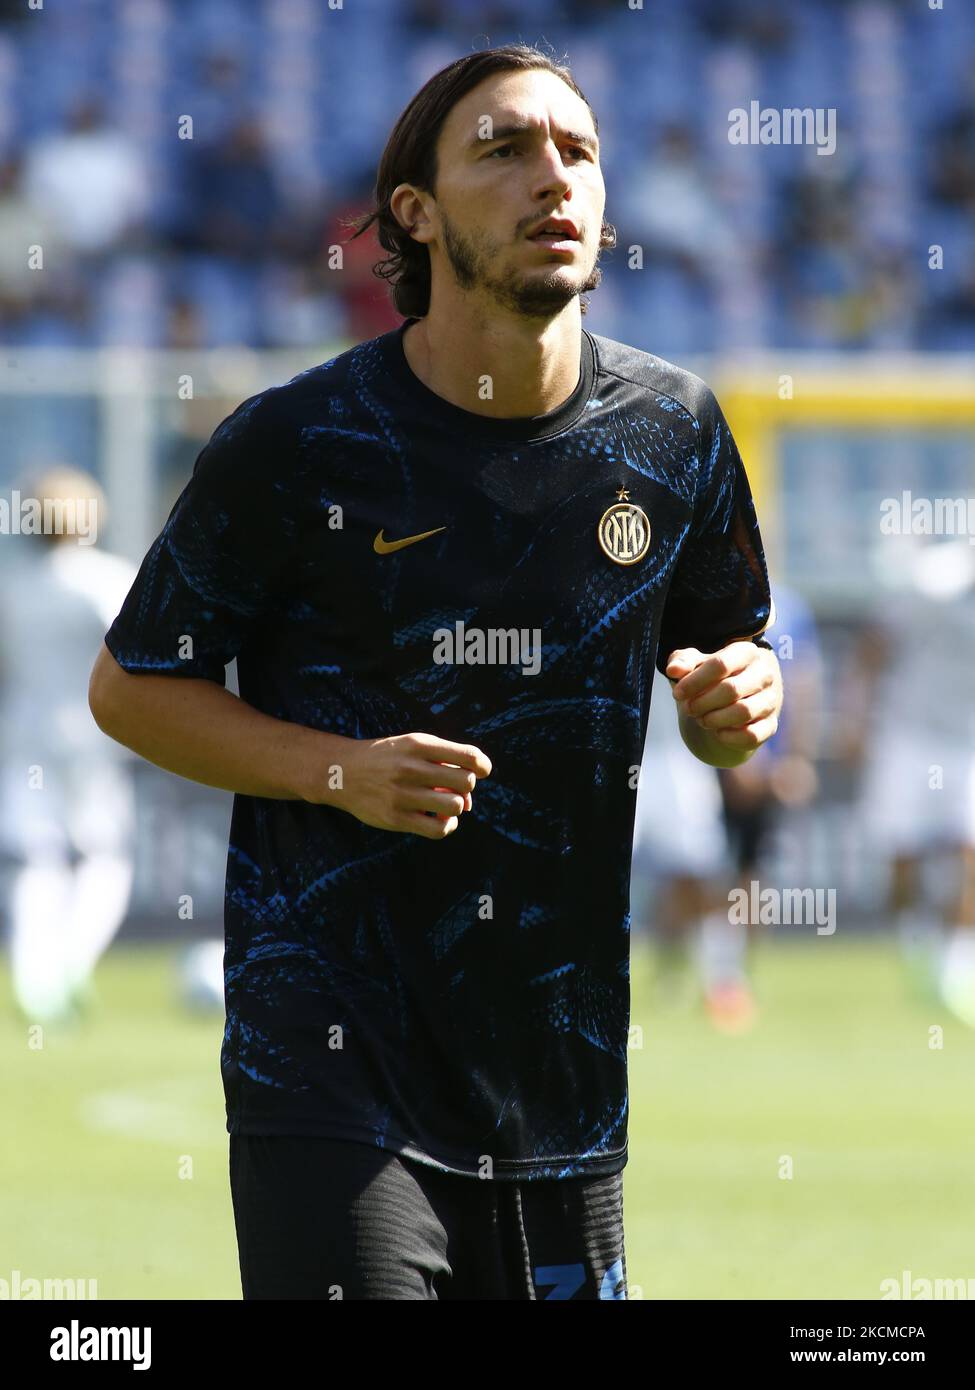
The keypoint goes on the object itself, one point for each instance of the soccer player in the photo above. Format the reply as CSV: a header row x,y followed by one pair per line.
x,y
67,810
758,797
447,561
918,793
680,859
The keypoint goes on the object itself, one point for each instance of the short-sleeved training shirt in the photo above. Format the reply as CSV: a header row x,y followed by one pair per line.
x,y
465,1001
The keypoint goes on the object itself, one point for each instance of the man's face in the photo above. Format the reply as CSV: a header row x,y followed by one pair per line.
x,y
496,185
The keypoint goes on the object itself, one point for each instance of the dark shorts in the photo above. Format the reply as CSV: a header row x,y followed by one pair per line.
x,y
748,832
331,1219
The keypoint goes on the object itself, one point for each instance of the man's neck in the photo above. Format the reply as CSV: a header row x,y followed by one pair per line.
x,y
503,366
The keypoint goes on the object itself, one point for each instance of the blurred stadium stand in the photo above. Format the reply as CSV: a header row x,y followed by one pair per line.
x,y
220,239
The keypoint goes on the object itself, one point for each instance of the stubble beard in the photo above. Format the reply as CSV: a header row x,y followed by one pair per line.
x,y
530,296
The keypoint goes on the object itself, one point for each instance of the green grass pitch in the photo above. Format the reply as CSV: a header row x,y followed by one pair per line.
x,y
113,1160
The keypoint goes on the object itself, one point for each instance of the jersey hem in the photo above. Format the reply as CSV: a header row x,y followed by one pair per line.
x,y
506,1169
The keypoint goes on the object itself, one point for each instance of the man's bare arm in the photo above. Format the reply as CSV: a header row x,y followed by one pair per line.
x,y
201,731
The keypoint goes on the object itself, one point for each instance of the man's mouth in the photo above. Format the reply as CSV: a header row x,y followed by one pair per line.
x,y
556,231
559,228
558,236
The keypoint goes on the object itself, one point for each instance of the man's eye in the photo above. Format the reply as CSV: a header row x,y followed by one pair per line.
x,y
579,150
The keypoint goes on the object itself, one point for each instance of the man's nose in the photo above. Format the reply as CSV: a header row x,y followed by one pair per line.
x,y
553,179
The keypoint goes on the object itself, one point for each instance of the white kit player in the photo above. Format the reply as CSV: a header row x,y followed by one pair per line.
x,y
67,805
680,848
919,782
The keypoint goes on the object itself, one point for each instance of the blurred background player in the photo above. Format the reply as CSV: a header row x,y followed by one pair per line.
x,y
66,824
919,780
699,830
778,782
680,853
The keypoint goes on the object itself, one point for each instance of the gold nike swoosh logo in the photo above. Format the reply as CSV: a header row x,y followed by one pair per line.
x,y
382,547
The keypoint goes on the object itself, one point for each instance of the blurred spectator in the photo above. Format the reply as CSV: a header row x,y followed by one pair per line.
x,y
840,289
233,205
23,224
669,206
220,91
184,328
951,152
90,179
44,305
766,26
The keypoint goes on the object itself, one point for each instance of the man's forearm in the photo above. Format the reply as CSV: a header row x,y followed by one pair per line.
x,y
706,746
199,730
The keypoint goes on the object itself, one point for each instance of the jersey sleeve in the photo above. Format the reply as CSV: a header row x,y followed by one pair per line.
x,y
719,591
219,565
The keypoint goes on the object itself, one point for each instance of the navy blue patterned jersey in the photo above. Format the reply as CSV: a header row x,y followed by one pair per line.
x,y
464,1001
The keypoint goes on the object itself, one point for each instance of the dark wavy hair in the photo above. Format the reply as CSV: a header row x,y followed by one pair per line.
x,y
410,156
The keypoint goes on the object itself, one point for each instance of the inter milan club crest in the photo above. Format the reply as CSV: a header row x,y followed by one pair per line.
x,y
624,530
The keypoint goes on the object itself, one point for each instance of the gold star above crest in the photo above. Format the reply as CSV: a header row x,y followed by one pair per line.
x,y
623,495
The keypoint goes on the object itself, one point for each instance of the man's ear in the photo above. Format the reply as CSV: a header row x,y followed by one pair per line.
x,y
406,205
